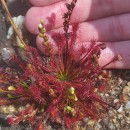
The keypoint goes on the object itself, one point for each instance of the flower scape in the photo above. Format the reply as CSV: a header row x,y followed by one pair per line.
x,y
58,87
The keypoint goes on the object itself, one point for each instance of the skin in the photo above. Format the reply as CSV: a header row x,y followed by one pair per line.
x,y
106,21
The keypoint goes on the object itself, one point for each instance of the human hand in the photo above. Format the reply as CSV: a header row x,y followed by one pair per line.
x,y
106,21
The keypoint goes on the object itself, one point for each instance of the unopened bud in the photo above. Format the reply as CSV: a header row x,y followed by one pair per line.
x,y
43,30
11,88
68,108
76,99
41,35
22,46
45,43
42,21
46,38
40,26
29,66
72,90
9,96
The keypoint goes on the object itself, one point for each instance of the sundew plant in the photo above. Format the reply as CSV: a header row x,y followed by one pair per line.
x,y
58,87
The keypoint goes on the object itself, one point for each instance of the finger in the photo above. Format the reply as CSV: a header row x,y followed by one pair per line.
x,y
114,28
90,10
43,2
111,29
112,50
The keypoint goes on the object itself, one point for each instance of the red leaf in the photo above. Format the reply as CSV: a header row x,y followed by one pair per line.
x,y
14,120
102,88
4,101
40,126
3,90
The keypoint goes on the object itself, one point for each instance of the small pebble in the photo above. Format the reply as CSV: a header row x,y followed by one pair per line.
x,y
124,98
107,95
111,126
120,109
99,125
126,90
120,116
128,120
128,84
90,122
120,81
116,100
6,54
127,106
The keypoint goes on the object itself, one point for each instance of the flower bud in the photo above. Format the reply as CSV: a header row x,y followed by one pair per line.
x,y
11,88
9,96
68,108
72,90
22,46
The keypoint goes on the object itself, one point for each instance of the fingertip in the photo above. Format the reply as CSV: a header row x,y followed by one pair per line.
x,y
33,17
32,20
50,14
113,50
106,56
